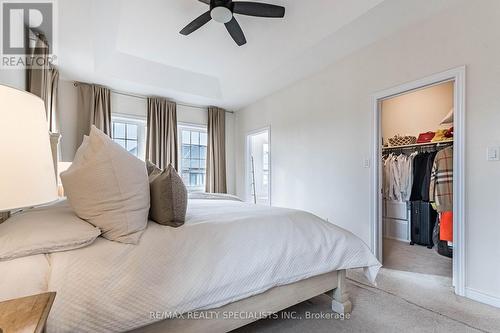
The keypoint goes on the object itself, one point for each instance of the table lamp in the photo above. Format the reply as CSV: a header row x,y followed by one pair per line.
x,y
27,176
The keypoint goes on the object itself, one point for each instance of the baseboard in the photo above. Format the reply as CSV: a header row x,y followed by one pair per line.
x,y
482,298
398,239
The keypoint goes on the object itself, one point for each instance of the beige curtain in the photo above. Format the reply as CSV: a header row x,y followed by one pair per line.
x,y
216,151
43,79
161,143
94,108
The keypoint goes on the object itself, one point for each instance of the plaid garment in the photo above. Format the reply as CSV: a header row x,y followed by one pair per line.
x,y
441,187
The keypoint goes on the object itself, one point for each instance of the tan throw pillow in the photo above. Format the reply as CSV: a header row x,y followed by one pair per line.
x,y
168,196
108,187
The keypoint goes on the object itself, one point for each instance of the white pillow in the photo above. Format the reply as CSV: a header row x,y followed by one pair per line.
x,y
44,230
449,117
109,187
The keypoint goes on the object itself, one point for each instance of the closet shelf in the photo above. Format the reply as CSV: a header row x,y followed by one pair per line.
x,y
438,143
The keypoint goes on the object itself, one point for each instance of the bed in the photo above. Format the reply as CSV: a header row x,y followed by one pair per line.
x,y
230,264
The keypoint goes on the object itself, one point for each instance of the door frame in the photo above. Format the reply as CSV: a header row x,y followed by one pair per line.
x,y
458,75
247,159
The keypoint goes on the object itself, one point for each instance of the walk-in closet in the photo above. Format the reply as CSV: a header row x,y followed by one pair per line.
x,y
417,168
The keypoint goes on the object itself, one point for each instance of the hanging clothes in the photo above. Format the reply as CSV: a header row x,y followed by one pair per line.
x,y
390,182
395,180
389,177
422,179
407,177
446,226
427,178
422,169
398,176
386,174
441,184
441,191
419,170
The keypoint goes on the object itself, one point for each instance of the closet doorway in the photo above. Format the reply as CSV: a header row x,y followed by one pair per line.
x,y
418,177
258,169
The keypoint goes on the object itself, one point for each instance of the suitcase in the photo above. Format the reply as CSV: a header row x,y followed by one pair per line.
x,y
423,218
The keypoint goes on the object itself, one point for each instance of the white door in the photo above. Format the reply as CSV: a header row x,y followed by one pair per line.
x,y
259,167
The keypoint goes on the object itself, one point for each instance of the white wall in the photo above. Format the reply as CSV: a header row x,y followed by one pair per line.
x,y
322,126
417,112
67,102
129,105
15,78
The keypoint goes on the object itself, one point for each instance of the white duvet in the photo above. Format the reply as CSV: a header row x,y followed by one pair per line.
x,y
226,251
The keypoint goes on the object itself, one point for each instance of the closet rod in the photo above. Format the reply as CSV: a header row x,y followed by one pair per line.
x,y
146,97
416,145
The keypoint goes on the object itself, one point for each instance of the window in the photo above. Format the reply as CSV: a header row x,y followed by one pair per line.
x,y
130,133
193,156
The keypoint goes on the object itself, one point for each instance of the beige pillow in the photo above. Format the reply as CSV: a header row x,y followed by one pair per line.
x,y
109,188
83,147
168,196
44,230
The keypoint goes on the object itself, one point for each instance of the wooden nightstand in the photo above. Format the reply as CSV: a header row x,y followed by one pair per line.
x,y
26,314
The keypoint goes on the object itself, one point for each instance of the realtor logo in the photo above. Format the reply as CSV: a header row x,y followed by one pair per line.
x,y
27,32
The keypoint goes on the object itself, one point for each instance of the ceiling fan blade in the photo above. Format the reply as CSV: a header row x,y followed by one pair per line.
x,y
235,31
258,9
197,23
205,1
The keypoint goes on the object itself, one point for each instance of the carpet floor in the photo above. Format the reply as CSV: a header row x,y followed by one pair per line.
x,y
403,301
415,258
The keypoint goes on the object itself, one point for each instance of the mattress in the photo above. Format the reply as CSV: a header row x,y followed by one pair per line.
x,y
227,251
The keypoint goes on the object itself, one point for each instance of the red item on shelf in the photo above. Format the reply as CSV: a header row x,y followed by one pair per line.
x,y
425,137
449,133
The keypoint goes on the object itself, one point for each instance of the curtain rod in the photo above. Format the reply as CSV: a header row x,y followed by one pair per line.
x,y
146,97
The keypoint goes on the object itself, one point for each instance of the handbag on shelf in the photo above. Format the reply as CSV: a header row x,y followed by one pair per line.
x,y
399,140
425,137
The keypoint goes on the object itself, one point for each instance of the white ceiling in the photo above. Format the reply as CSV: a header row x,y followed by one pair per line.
x,y
135,45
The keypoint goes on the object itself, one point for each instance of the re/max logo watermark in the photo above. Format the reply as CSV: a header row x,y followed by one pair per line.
x,y
28,33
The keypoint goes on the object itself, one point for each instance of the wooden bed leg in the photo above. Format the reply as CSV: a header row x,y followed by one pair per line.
x,y
341,303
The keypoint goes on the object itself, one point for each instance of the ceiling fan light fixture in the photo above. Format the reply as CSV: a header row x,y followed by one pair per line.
x,y
221,14
222,11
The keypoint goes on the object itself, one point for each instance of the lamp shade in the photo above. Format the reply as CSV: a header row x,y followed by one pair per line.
x,y
26,167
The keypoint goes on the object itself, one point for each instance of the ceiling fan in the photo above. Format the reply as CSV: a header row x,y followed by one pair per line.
x,y
223,11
